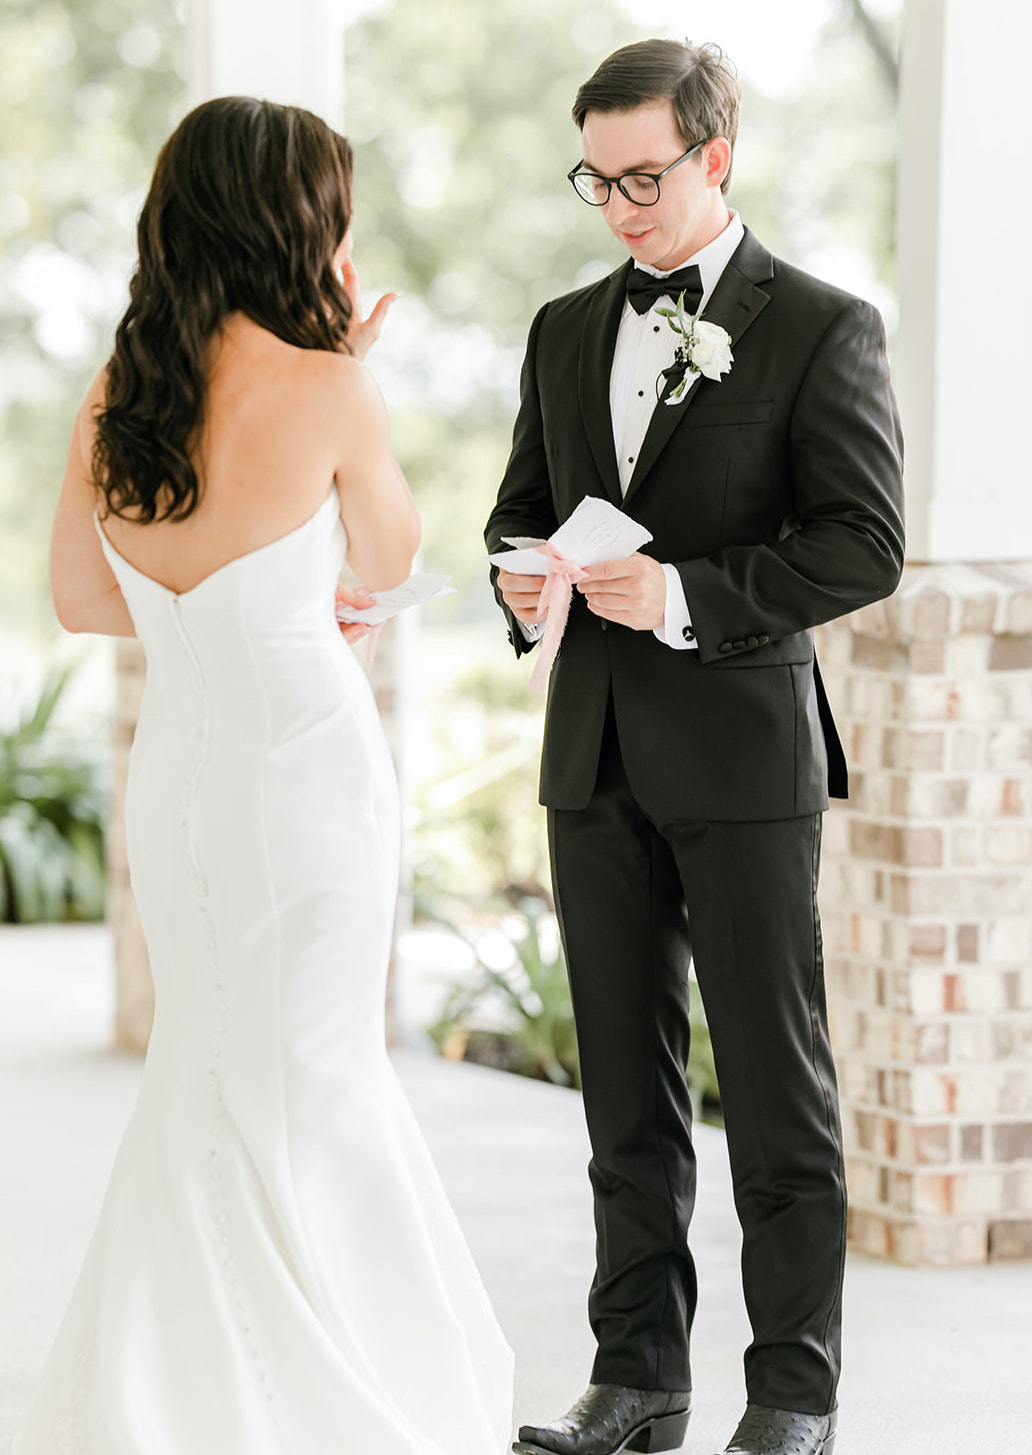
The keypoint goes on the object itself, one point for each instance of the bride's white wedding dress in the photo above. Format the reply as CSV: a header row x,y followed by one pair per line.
x,y
276,1269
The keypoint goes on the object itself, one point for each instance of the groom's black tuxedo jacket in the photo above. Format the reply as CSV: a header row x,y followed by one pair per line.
x,y
776,492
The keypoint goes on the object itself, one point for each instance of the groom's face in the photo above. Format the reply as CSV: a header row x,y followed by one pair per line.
x,y
647,140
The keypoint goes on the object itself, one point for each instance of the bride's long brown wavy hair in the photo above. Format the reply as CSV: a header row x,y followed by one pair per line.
x,y
247,208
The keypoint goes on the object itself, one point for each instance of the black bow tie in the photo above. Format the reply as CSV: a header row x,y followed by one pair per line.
x,y
644,290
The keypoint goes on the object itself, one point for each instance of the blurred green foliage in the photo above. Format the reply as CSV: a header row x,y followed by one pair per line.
x,y
815,172
88,91
53,803
702,1070
460,116
478,833
530,997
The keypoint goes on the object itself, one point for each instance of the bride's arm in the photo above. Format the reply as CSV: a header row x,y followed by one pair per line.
x,y
86,595
376,505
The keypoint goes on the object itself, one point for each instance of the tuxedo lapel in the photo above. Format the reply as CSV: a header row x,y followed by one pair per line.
x,y
736,303
598,342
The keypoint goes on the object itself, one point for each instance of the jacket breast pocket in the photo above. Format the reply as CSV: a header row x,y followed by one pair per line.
x,y
714,413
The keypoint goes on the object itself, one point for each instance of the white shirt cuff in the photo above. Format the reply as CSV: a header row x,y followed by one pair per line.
x,y
531,630
676,631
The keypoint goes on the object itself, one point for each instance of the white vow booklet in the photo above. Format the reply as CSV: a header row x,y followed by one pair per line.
x,y
596,531
413,592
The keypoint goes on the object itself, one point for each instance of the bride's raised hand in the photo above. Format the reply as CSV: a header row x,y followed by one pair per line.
x,y
362,332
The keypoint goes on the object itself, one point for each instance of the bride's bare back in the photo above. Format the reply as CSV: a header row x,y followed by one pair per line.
x,y
281,424
269,452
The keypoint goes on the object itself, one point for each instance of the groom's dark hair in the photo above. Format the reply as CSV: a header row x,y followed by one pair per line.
x,y
699,81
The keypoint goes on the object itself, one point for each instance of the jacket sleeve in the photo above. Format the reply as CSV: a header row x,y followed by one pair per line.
x,y
525,506
846,474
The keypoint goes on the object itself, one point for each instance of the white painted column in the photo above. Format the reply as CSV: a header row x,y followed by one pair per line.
x,y
964,358
293,54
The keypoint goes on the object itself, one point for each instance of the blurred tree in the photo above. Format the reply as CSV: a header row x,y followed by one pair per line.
x,y
460,116
880,40
815,172
87,94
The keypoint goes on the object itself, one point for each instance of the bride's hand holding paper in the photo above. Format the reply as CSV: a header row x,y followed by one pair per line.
x,y
355,598
361,612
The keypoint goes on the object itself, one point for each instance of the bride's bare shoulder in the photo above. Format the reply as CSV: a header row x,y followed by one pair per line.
x,y
272,385
343,381
241,341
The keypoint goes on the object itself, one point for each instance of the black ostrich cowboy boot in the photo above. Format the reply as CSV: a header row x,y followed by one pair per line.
x,y
764,1431
610,1417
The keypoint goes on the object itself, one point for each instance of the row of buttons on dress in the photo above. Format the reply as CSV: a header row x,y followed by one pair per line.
x,y
216,992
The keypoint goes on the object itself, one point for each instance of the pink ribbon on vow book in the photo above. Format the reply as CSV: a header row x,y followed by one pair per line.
x,y
556,595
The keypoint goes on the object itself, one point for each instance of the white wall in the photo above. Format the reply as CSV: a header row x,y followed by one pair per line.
x,y
291,51
964,359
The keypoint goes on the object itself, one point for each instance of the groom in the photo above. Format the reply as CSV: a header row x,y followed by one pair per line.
x,y
689,749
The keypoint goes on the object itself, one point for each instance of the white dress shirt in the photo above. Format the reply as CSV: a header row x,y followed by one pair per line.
x,y
645,346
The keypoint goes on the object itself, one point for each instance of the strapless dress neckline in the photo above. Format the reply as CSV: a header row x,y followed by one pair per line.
x,y
331,499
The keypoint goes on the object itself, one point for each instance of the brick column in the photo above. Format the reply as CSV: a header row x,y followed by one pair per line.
x,y
927,906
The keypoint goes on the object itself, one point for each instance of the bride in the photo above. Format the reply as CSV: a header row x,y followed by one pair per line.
x,y
275,1270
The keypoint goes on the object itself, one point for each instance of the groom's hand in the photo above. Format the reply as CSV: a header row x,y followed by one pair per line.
x,y
522,595
631,592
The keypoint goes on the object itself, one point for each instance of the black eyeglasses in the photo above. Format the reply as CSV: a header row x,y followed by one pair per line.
x,y
641,188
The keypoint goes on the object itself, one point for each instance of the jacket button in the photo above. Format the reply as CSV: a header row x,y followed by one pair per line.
x,y
762,641
726,647
738,646
605,626
752,641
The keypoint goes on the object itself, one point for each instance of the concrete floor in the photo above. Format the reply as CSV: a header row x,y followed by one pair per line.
x,y
937,1362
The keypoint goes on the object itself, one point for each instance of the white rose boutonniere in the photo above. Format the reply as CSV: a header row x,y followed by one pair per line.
x,y
703,348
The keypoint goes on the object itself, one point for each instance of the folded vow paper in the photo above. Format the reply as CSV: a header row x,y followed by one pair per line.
x,y
413,592
595,532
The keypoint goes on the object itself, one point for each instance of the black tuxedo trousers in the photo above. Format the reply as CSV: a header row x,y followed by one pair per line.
x,y
638,897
